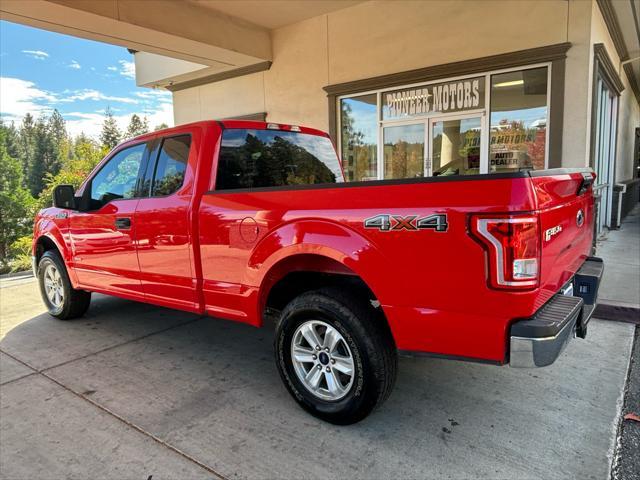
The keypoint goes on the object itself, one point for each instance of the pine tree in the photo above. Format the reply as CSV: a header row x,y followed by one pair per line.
x,y
58,143
26,147
42,152
137,127
110,135
162,126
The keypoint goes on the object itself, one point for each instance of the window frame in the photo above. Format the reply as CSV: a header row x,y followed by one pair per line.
x,y
87,191
484,113
152,165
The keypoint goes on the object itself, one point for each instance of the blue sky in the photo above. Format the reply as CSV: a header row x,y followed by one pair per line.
x,y
41,70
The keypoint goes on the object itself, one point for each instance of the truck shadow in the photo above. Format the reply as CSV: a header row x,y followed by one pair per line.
x,y
211,386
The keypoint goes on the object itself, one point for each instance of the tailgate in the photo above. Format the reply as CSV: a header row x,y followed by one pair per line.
x,y
566,209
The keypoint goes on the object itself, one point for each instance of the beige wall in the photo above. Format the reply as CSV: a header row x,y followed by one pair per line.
x,y
361,41
381,37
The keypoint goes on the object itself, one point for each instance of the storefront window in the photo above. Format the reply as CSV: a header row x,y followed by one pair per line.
x,y
518,120
359,144
485,123
456,147
404,151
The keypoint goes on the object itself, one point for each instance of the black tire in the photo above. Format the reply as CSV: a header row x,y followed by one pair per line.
x,y
368,337
74,302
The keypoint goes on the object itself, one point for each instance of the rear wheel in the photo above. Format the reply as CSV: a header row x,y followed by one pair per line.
x,y
61,299
335,355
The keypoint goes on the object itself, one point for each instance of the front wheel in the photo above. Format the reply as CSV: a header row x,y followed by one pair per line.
x,y
61,299
335,355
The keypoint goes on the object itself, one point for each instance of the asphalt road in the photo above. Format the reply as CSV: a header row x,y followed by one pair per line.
x,y
133,390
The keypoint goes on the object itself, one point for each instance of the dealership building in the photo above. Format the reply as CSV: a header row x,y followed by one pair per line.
x,y
405,88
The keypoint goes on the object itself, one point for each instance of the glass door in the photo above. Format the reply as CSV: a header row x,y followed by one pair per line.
x,y
455,145
605,133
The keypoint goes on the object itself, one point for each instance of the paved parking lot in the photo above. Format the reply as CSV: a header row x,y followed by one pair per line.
x,y
133,390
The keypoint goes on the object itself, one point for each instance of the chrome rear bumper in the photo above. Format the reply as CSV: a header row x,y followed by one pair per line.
x,y
537,341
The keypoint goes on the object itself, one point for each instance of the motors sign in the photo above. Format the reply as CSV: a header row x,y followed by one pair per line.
x,y
446,97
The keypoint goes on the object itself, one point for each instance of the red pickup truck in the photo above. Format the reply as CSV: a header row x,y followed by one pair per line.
x,y
247,220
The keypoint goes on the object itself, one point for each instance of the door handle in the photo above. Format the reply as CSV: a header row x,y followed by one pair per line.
x,y
123,223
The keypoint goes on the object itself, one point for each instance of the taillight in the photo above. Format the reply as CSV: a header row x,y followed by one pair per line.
x,y
513,244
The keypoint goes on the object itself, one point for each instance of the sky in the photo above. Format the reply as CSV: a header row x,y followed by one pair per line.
x,y
41,70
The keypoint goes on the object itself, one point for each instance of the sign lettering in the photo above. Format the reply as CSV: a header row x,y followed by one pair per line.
x,y
443,97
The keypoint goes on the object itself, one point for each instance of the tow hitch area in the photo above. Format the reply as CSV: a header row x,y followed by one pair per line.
x,y
585,285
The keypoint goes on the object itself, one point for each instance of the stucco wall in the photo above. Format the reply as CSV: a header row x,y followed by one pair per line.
x,y
375,38
628,108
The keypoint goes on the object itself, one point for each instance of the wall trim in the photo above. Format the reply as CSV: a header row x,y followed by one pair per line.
x,y
633,83
464,67
602,59
611,21
556,54
217,77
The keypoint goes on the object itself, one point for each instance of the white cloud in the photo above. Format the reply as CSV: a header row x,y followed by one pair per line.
x,y
38,54
91,94
113,69
127,69
91,123
19,97
74,65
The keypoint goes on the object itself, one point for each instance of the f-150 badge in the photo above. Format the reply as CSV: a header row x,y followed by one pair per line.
x,y
412,223
550,232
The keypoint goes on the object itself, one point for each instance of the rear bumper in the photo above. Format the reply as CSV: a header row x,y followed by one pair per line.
x,y
537,341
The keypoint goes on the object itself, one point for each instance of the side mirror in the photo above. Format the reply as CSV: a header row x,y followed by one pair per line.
x,y
64,197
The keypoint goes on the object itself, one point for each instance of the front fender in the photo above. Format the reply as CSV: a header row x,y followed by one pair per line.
x,y
324,239
47,228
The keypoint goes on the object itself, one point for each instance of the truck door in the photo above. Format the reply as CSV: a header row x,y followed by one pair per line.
x,y
163,230
103,236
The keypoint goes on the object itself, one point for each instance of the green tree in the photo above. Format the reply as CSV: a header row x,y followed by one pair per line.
x,y
42,156
12,139
16,204
110,135
162,126
85,154
137,126
59,139
26,146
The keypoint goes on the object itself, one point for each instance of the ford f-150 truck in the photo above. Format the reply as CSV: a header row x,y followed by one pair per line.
x,y
248,220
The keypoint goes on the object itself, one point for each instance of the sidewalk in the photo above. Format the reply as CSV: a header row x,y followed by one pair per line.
x,y
620,250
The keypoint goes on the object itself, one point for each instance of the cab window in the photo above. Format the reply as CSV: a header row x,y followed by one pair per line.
x,y
275,158
171,165
116,180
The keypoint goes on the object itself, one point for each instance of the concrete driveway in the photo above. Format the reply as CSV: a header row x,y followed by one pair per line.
x,y
133,391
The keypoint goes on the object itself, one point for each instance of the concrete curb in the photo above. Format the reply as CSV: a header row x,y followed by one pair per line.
x,y
23,274
617,313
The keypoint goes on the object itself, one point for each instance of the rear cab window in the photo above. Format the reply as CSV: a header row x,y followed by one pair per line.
x,y
253,158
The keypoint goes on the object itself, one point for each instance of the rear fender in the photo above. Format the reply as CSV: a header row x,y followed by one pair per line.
x,y
296,244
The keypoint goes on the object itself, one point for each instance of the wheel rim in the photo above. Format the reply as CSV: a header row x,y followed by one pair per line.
x,y
322,360
53,288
